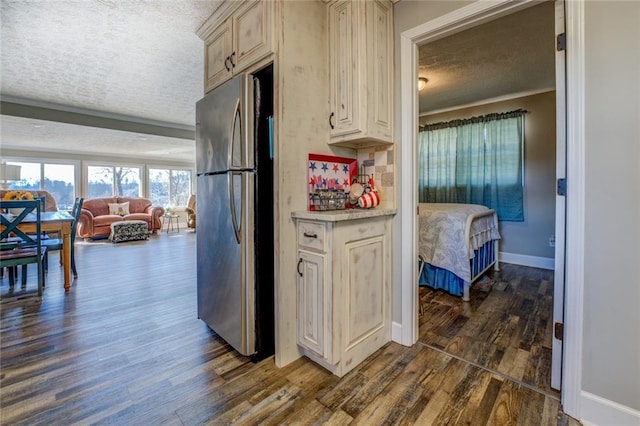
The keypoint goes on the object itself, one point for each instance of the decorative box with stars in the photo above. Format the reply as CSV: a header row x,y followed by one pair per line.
x,y
330,172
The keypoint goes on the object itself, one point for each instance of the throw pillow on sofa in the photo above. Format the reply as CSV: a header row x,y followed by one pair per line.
x,y
120,209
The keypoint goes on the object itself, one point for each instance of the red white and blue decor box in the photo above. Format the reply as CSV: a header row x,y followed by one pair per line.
x,y
329,172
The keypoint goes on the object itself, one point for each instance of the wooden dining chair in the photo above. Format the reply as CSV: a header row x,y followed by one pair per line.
x,y
56,243
18,247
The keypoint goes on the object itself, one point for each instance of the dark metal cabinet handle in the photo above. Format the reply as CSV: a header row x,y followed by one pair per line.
x,y
225,64
330,120
310,235
298,267
231,58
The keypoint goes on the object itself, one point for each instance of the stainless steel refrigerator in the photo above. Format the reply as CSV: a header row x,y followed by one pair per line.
x,y
234,244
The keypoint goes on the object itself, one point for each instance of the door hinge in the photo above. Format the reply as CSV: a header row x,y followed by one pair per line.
x,y
562,187
561,42
558,330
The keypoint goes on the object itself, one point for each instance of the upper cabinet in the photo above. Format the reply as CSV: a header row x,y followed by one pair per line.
x,y
361,72
235,39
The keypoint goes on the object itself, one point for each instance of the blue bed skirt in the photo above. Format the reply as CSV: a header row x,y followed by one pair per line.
x,y
442,279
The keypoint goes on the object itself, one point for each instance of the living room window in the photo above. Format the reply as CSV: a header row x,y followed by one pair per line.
x,y
113,181
57,178
169,187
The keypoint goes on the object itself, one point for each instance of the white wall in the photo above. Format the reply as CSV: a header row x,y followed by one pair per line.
x,y
611,346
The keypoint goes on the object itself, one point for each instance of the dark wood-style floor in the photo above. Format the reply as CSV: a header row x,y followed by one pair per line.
x,y
125,347
506,326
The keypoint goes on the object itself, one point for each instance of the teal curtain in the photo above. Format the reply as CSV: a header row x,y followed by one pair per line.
x,y
475,161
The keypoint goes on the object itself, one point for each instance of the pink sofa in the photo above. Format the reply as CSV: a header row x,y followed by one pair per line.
x,y
95,220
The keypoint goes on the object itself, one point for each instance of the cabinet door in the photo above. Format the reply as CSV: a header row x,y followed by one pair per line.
x,y
251,34
380,71
218,49
344,34
311,303
361,72
365,294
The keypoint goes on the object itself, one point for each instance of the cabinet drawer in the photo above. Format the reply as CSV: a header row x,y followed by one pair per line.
x,y
312,235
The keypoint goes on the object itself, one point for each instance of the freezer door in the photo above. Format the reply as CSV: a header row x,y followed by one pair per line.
x,y
225,258
224,128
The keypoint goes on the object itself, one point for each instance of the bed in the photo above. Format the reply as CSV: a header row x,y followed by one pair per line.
x,y
457,243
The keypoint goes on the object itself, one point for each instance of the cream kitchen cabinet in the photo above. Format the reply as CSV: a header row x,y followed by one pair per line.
x,y
361,72
235,38
344,275
313,324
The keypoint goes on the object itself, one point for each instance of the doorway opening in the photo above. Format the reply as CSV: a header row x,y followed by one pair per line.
x,y
508,324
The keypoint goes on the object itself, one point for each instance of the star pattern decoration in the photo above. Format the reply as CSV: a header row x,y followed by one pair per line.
x,y
327,174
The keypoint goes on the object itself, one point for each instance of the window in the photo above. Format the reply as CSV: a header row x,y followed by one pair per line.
x,y
30,176
169,187
58,179
159,187
113,181
475,161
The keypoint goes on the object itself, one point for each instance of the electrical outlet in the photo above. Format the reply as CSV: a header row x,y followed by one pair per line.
x,y
552,241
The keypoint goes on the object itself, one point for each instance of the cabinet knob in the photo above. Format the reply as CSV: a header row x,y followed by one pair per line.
x,y
298,267
331,120
306,234
227,67
231,58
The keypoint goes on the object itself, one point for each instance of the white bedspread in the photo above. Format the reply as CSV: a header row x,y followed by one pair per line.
x,y
442,241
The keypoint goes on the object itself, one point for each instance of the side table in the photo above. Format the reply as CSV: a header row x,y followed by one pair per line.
x,y
169,219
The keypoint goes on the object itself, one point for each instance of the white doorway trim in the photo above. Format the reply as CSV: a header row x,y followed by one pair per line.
x,y
472,15
561,205
575,200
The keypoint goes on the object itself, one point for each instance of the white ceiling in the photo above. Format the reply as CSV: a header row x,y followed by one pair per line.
x,y
136,61
141,61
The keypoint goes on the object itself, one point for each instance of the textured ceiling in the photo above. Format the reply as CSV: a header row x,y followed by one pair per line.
x,y
28,134
513,54
134,60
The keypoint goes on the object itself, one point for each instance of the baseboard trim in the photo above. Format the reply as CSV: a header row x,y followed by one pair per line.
x,y
396,332
524,260
596,410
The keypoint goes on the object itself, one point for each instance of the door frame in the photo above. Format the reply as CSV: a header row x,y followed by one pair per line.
x,y
561,205
472,15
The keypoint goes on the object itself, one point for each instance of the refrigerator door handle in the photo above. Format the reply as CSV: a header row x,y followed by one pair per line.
x,y
232,205
232,140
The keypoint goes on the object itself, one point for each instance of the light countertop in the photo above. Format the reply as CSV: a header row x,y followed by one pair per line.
x,y
340,215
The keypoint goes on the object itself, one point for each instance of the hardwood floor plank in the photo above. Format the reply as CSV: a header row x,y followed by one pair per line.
x,y
480,415
530,412
507,406
338,418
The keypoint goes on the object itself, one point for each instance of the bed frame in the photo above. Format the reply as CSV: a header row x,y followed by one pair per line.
x,y
484,258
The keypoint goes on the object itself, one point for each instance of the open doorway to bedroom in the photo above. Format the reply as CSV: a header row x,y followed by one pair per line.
x,y
500,66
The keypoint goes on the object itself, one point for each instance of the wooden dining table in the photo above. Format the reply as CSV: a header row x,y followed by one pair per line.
x,y
54,222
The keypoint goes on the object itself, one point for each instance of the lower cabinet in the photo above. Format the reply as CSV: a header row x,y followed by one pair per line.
x,y
312,323
344,276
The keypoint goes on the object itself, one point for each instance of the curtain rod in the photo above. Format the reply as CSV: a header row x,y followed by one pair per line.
x,y
477,119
